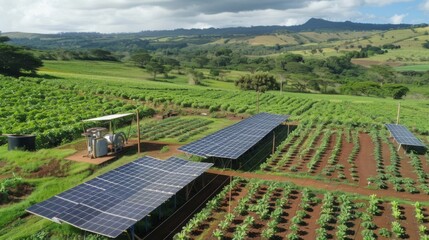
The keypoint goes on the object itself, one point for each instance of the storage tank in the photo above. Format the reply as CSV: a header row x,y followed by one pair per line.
x,y
100,147
21,142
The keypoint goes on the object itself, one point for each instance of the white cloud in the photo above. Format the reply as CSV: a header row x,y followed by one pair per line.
x,y
397,18
137,15
384,2
425,5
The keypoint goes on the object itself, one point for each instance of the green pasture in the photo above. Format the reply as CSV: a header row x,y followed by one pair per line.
x,y
122,73
419,68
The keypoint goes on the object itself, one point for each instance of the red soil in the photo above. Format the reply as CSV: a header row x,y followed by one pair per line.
x,y
409,221
17,194
332,186
325,156
236,195
288,212
55,168
346,149
309,230
365,159
384,219
405,167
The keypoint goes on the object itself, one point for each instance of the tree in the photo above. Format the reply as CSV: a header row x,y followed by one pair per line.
x,y
381,73
4,39
338,64
14,60
195,77
362,88
141,59
395,90
100,54
172,64
260,82
155,67
284,59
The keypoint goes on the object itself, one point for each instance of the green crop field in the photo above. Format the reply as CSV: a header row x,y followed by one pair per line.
x,y
419,68
351,180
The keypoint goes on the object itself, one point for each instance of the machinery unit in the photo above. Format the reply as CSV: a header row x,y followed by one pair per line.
x,y
99,141
102,141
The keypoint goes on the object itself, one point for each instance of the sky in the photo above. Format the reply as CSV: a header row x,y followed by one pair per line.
x,y
108,16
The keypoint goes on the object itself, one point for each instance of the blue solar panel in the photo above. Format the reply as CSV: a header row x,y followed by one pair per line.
x,y
233,141
403,136
51,207
95,221
111,203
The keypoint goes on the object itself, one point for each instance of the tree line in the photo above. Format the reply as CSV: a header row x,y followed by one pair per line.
x,y
16,60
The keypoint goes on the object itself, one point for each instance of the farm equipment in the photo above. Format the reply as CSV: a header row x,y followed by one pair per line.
x,y
101,141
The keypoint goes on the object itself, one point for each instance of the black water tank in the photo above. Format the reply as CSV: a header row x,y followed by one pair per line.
x,y
22,142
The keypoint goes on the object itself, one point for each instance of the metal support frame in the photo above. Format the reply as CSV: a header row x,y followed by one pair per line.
x,y
230,194
132,232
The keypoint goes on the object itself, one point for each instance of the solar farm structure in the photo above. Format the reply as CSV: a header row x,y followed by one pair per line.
x,y
115,201
405,138
237,145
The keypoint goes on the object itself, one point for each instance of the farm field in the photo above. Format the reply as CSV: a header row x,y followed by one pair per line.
x,y
300,106
422,67
354,156
272,210
45,173
338,175
180,129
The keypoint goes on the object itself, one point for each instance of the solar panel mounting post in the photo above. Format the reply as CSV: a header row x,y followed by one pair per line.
x,y
138,132
132,232
274,142
399,110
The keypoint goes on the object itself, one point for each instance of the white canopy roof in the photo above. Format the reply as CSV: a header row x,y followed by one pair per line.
x,y
108,117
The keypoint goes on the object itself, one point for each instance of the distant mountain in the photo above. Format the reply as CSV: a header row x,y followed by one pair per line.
x,y
147,39
315,24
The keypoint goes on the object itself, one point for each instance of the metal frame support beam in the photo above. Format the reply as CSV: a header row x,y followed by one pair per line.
x,y
132,232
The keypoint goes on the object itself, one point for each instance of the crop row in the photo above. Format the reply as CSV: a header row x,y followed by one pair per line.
x,y
271,210
181,128
332,159
29,106
341,112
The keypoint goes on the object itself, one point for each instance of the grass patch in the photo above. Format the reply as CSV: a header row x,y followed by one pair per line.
x,y
164,149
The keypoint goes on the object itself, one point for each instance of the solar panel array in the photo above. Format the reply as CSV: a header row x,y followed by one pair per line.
x,y
403,136
233,141
111,203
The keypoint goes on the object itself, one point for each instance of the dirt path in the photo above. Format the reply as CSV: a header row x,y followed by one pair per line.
x,y
346,149
333,186
365,160
323,163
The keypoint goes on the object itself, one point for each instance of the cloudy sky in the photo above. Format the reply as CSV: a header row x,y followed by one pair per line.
x,y
51,16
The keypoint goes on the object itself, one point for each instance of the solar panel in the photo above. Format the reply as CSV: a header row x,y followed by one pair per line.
x,y
112,202
51,207
403,136
233,141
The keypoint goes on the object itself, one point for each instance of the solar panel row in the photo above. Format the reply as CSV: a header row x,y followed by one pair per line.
x,y
111,203
233,141
403,136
